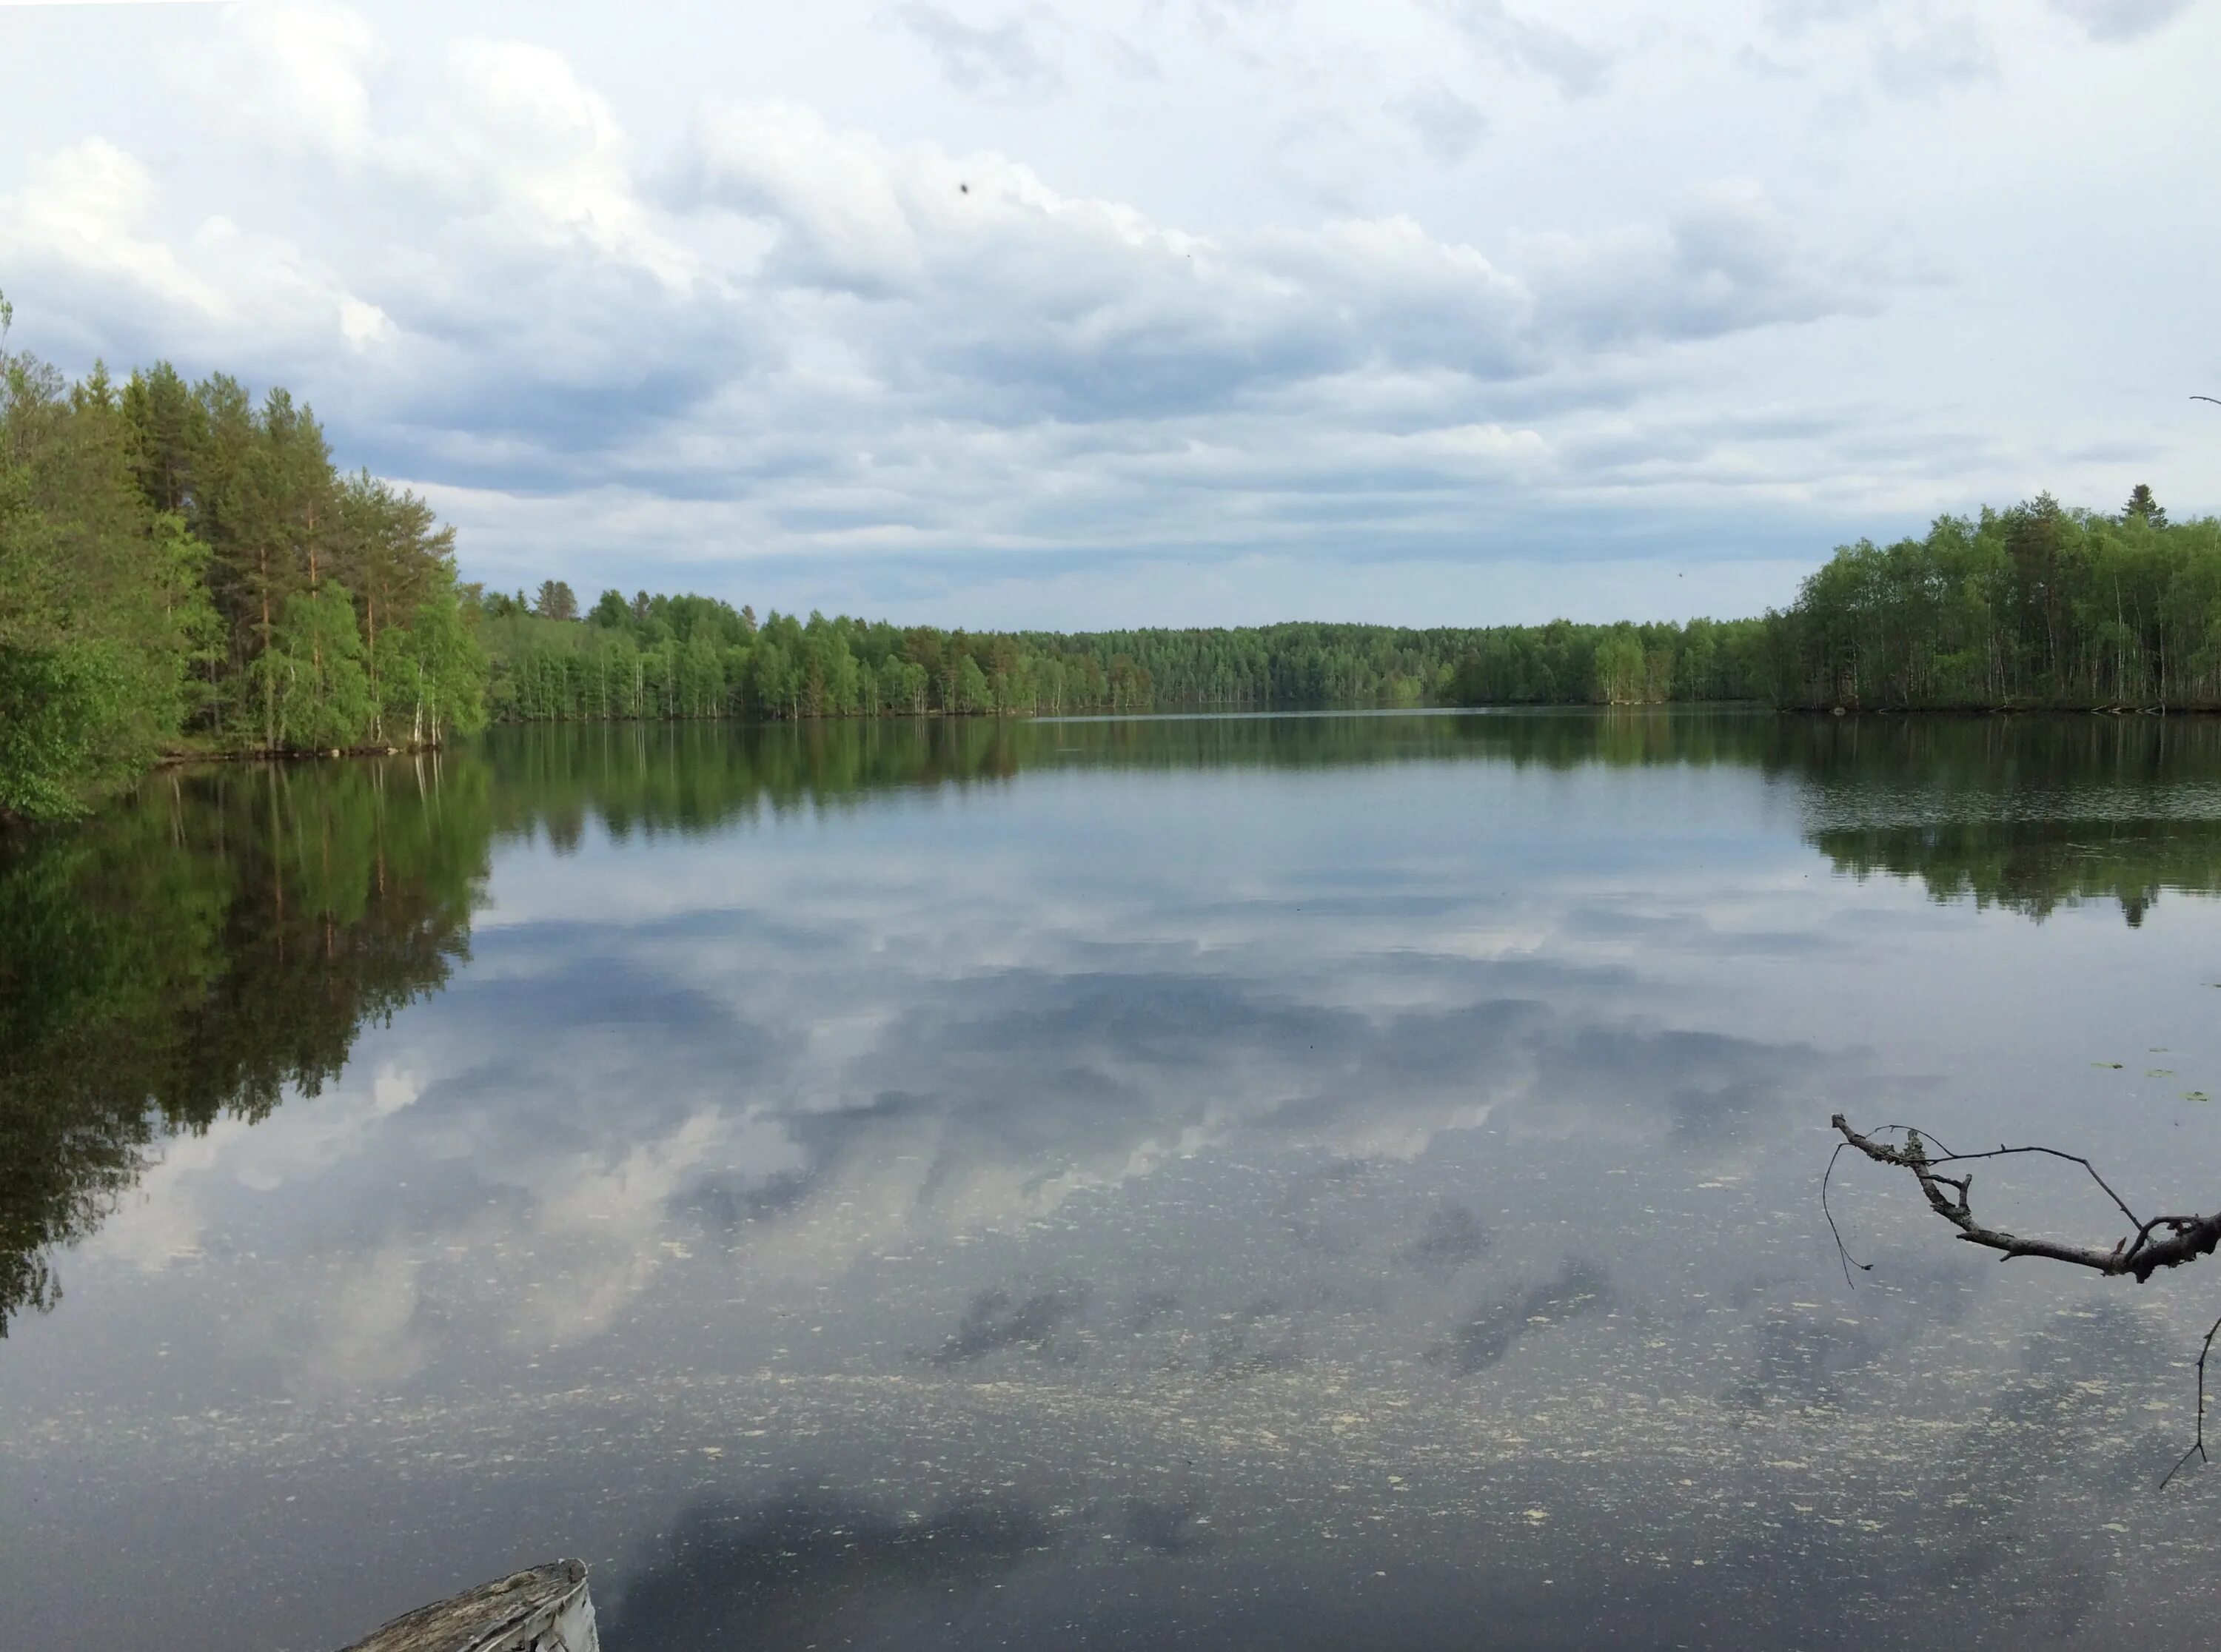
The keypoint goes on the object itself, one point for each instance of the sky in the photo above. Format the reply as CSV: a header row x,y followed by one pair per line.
x,y
1185,312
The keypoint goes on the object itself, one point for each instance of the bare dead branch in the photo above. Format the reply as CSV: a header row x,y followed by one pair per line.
x,y
2197,1446
2159,1242
2156,1243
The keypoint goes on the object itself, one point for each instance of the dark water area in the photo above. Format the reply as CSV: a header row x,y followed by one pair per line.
x,y
1311,1181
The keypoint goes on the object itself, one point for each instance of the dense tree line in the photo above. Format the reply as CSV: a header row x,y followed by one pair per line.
x,y
2034,606
695,657
692,657
182,566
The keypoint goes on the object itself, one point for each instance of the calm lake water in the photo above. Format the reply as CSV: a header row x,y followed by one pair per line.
x,y
1311,1182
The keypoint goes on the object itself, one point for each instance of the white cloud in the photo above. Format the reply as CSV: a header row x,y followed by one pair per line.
x,y
786,314
833,196
522,144
303,70
1725,260
364,325
87,221
971,279
85,209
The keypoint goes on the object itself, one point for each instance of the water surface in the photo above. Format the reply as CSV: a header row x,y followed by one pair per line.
x,y
1293,1181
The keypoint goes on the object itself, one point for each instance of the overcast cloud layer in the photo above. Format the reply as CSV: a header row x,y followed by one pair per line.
x,y
1176,310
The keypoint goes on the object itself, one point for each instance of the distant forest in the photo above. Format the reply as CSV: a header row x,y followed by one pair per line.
x,y
655,657
185,571
2032,606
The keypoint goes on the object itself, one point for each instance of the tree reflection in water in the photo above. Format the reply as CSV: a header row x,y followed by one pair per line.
x,y
217,941
200,951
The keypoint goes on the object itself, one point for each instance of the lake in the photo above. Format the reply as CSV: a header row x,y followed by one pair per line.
x,y
1289,1182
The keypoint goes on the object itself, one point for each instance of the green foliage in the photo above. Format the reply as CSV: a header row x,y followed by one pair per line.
x,y
2036,606
2141,504
555,600
93,628
180,566
445,669
68,726
179,563
663,657
322,692
1620,679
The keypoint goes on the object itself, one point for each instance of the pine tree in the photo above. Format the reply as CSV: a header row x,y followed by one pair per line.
x,y
171,424
2141,503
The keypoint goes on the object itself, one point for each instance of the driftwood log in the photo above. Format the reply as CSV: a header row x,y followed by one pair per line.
x,y
544,1609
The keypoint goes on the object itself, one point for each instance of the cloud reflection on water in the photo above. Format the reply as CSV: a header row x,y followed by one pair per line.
x,y
1232,1173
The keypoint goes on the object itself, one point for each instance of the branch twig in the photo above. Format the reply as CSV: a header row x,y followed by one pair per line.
x,y
2159,1242
1843,1251
2197,1446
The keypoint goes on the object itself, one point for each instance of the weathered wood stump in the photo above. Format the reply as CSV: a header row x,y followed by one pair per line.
x,y
544,1609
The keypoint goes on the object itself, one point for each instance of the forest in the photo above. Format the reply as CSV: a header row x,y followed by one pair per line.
x,y
183,568
690,657
2033,606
